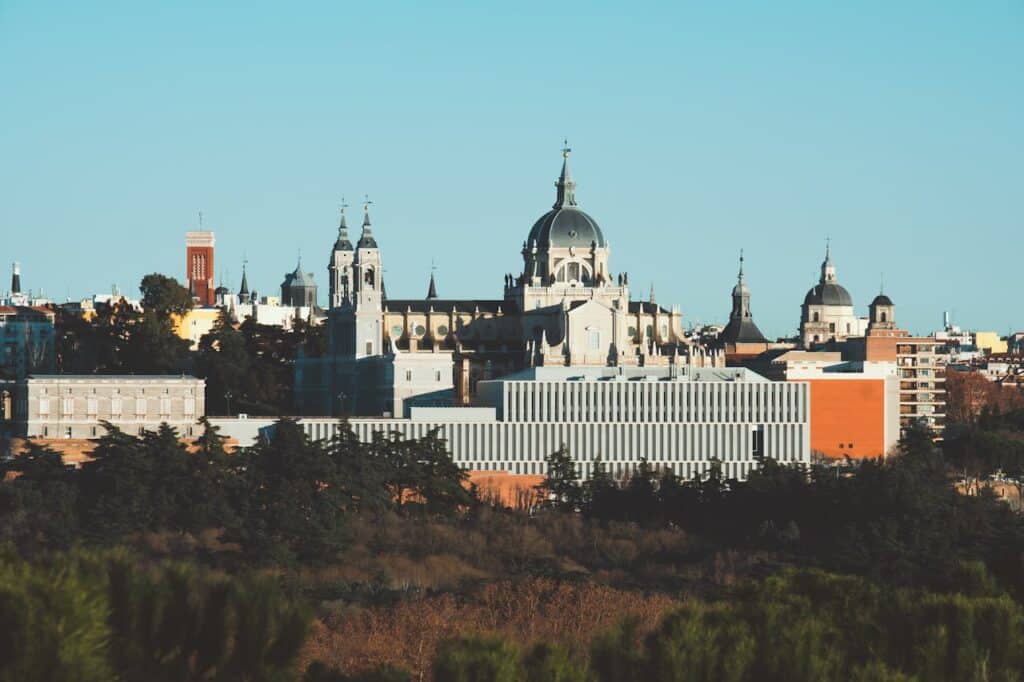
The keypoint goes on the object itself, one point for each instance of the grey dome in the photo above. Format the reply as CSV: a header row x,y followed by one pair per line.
x,y
828,293
343,244
882,299
566,226
299,278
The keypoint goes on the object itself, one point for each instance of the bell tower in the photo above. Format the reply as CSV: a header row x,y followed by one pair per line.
x,y
199,265
340,269
368,291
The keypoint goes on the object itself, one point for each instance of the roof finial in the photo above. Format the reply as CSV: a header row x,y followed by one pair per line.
x,y
741,265
881,284
341,225
366,210
432,289
566,186
200,220
651,296
828,248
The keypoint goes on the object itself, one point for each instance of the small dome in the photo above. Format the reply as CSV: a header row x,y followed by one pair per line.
x,y
564,227
828,293
299,278
881,299
221,291
343,244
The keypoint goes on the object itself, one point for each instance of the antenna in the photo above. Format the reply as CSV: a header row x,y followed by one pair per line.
x,y
200,220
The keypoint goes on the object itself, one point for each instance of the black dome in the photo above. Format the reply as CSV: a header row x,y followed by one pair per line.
x,y
828,294
566,226
882,299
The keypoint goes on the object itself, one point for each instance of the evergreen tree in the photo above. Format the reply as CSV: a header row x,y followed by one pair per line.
x,y
561,487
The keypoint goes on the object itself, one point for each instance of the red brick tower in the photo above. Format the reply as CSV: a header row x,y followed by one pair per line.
x,y
199,266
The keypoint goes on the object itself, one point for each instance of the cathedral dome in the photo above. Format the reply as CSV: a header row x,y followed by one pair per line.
x,y
828,293
566,226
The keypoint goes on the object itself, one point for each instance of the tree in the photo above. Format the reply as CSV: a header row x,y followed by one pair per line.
x,y
164,296
478,659
561,486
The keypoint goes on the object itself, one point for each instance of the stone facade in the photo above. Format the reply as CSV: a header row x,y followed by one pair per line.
x,y
72,406
566,308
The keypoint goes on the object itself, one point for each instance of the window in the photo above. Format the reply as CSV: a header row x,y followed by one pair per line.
x,y
44,406
140,407
832,327
593,339
847,327
408,375
91,407
442,330
369,347
884,317
420,330
437,376
396,331
67,432
817,318
93,431
190,406
115,407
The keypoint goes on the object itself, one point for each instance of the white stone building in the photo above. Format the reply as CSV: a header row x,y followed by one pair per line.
x,y
677,418
72,406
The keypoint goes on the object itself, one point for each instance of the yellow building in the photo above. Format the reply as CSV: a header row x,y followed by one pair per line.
x,y
195,324
989,342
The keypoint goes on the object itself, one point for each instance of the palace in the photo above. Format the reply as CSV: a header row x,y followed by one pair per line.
x,y
567,308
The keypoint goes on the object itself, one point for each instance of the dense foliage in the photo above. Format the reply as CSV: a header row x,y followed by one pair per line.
x,y
908,568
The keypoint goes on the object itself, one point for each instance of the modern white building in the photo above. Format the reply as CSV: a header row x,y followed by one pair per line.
x,y
72,406
675,417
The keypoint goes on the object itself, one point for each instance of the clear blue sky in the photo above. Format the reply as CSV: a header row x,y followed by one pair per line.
x,y
697,128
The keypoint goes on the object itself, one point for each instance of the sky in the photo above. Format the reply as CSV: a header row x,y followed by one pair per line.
x,y
697,129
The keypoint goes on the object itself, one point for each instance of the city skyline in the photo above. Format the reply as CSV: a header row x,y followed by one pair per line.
x,y
701,135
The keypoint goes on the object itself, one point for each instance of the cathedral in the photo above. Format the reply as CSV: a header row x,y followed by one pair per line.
x,y
567,308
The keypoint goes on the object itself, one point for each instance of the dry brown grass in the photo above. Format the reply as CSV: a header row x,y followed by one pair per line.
x,y
407,634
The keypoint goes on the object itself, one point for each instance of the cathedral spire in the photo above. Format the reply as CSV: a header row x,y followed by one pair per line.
x,y
432,289
366,240
343,243
243,289
565,184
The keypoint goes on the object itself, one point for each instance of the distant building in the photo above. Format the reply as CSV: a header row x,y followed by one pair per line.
x,y
199,266
854,406
827,312
72,406
677,418
298,290
27,341
741,338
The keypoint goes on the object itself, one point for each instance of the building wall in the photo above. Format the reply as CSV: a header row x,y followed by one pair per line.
x,y
66,406
521,447
848,417
27,341
990,342
199,266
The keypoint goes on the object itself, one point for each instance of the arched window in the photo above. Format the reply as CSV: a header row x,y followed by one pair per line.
x,y
885,317
368,277
847,327
816,318
572,271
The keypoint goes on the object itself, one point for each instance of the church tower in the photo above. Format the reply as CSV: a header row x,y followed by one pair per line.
x,y
340,268
741,330
368,292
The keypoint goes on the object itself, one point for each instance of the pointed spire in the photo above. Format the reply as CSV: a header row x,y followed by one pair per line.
x,y
828,270
740,277
243,289
565,184
650,297
432,289
342,243
366,240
